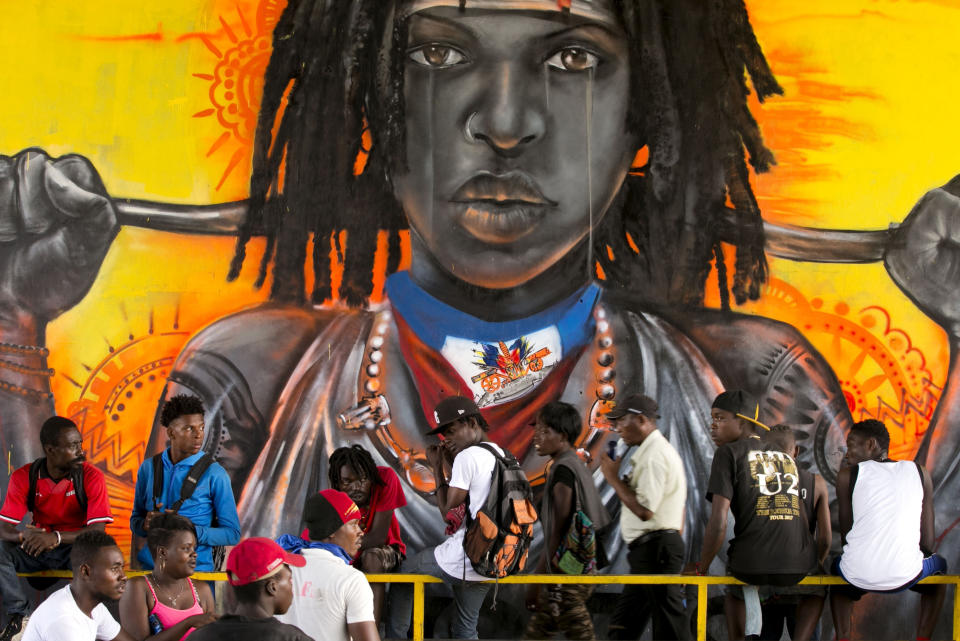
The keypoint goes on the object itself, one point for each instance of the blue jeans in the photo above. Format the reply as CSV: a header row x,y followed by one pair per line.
x,y
467,595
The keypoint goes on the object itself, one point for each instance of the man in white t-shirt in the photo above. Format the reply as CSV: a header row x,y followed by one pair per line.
x,y
332,600
886,525
461,427
77,612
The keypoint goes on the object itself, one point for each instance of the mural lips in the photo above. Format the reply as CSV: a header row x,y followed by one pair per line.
x,y
500,208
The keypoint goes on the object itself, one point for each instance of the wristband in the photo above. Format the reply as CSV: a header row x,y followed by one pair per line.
x,y
59,538
699,571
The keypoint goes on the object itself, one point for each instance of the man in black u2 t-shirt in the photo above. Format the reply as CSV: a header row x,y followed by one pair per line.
x,y
772,544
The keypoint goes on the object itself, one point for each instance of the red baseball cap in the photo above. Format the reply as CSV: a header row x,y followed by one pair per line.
x,y
257,558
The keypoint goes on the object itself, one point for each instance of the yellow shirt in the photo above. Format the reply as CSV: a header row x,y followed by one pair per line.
x,y
660,485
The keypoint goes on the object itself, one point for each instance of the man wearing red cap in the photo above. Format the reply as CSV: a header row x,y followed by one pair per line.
x,y
258,570
331,599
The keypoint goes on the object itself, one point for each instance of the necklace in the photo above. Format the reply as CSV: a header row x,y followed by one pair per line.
x,y
172,599
372,412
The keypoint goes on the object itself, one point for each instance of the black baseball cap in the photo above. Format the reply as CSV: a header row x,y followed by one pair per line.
x,y
635,404
452,409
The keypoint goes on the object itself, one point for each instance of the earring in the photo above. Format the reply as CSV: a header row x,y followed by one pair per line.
x,y
162,563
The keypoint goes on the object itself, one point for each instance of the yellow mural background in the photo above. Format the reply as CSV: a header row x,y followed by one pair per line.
x,y
867,125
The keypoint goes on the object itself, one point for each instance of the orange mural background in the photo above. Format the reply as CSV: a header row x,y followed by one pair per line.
x,y
163,101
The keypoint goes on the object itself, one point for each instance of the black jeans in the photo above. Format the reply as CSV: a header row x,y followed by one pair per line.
x,y
13,559
659,554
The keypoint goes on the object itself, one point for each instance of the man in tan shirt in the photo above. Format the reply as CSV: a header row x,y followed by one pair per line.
x,y
653,495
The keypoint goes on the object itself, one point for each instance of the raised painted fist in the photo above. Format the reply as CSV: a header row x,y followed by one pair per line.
x,y
56,225
923,257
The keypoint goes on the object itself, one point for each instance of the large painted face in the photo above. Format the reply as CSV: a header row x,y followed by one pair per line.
x,y
516,140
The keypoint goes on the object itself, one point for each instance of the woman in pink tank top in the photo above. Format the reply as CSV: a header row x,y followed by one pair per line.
x,y
166,605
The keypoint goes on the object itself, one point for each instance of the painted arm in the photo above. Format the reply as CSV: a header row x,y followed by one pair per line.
x,y
922,259
844,503
824,527
56,225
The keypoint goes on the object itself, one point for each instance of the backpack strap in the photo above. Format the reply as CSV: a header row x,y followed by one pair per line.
x,y
506,458
79,491
197,470
157,462
34,476
76,477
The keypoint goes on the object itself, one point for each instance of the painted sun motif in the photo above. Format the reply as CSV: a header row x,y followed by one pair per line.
x,y
117,398
881,372
236,82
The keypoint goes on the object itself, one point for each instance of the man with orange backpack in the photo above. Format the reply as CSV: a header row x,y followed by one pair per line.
x,y
478,471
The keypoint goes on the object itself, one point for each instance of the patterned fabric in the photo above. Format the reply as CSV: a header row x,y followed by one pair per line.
x,y
577,552
454,518
562,608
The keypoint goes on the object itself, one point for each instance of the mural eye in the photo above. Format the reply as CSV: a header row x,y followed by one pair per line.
x,y
437,56
573,59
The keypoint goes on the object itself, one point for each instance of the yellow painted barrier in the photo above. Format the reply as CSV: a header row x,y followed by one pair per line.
x,y
419,582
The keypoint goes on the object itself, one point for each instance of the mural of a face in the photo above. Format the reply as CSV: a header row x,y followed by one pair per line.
x,y
515,136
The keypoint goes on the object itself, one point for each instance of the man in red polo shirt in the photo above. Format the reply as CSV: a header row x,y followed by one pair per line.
x,y
59,515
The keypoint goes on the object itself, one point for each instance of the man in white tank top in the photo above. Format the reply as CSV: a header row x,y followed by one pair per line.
x,y
886,525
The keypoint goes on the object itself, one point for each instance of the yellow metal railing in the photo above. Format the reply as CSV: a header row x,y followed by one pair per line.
x,y
702,582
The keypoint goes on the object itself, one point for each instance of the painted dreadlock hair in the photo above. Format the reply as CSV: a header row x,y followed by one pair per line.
x,y
340,66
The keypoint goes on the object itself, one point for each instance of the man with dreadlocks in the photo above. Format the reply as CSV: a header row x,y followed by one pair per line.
x,y
377,492
549,259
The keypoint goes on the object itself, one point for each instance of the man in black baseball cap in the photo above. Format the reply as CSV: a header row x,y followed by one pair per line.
x,y
653,495
635,404
460,427
734,415
453,409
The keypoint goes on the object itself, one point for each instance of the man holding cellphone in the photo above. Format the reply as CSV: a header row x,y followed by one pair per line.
x,y
653,497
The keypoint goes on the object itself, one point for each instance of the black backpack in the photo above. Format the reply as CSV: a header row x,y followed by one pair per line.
x,y
196,472
498,540
75,476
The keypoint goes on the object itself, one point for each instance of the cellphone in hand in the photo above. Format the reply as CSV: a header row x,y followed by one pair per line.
x,y
612,449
